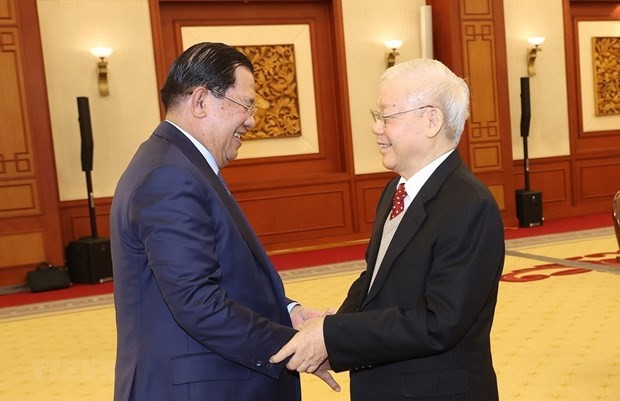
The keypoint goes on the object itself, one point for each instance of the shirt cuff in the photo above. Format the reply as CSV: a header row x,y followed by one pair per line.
x,y
291,306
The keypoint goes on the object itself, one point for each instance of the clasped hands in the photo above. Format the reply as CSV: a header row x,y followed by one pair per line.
x,y
307,347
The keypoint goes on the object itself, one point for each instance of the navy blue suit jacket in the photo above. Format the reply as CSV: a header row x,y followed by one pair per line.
x,y
422,331
199,306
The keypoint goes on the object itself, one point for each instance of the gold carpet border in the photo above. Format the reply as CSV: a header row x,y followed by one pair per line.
x,y
288,276
56,307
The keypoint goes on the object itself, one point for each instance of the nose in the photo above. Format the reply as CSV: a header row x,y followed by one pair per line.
x,y
378,128
250,122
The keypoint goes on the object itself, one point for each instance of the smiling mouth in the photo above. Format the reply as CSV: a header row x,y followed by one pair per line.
x,y
384,145
238,135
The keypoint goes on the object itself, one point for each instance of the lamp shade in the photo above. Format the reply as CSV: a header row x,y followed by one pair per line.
x,y
536,40
393,44
101,52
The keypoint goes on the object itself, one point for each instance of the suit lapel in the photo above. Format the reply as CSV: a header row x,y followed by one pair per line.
x,y
410,224
173,135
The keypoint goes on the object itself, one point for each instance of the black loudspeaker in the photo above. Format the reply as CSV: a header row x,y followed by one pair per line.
x,y
525,106
86,133
89,260
529,208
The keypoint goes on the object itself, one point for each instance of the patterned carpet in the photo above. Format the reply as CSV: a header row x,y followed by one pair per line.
x,y
554,336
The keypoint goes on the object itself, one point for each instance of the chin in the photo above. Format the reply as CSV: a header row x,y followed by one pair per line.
x,y
232,156
388,164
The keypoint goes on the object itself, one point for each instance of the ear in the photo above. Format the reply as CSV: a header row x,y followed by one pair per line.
x,y
199,101
435,122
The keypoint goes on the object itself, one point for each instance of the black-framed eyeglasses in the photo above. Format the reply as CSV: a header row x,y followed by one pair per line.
x,y
250,109
377,116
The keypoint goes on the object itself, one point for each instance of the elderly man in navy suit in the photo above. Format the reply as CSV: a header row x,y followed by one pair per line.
x,y
416,324
199,306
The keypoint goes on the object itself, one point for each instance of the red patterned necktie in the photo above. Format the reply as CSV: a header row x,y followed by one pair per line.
x,y
398,202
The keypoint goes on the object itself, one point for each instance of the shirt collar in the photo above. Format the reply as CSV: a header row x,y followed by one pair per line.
x,y
415,183
201,148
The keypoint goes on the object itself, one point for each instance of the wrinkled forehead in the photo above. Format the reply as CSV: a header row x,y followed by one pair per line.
x,y
395,91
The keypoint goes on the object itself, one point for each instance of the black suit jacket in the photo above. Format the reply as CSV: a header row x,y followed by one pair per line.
x,y
422,331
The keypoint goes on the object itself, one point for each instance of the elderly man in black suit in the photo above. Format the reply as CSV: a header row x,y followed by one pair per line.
x,y
416,324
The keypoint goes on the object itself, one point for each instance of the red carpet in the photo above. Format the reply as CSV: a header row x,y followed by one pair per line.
x,y
562,225
317,257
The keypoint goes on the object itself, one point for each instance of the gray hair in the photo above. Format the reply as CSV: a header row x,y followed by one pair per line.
x,y
430,81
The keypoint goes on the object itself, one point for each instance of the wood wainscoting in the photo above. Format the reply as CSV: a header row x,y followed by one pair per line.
x,y
75,219
284,218
325,214
573,186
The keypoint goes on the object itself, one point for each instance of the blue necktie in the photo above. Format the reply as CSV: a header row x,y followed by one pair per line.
x,y
223,183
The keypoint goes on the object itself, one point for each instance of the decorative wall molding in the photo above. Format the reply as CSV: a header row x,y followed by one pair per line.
x,y
21,248
75,219
469,38
572,188
20,252
29,224
7,12
19,198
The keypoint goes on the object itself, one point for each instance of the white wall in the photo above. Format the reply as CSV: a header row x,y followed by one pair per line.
x,y
367,24
120,121
549,135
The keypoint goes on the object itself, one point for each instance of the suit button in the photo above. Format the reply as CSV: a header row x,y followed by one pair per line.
x,y
269,365
259,364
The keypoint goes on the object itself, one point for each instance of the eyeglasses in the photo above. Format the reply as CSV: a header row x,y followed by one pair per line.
x,y
377,116
250,109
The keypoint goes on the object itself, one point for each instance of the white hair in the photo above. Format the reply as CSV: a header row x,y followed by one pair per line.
x,y
431,82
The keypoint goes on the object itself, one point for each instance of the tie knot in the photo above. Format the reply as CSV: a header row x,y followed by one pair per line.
x,y
398,202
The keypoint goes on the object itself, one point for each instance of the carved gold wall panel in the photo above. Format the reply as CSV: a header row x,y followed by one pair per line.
x,y
606,59
276,91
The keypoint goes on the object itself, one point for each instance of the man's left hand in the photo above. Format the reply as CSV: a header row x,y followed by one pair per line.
x,y
307,348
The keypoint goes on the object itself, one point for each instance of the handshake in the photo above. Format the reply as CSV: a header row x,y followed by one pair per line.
x,y
307,348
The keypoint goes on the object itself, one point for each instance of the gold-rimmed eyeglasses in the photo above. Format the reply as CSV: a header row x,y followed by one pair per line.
x,y
377,116
250,109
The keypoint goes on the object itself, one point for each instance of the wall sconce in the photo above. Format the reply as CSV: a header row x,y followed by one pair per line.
x,y
102,53
391,56
532,52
